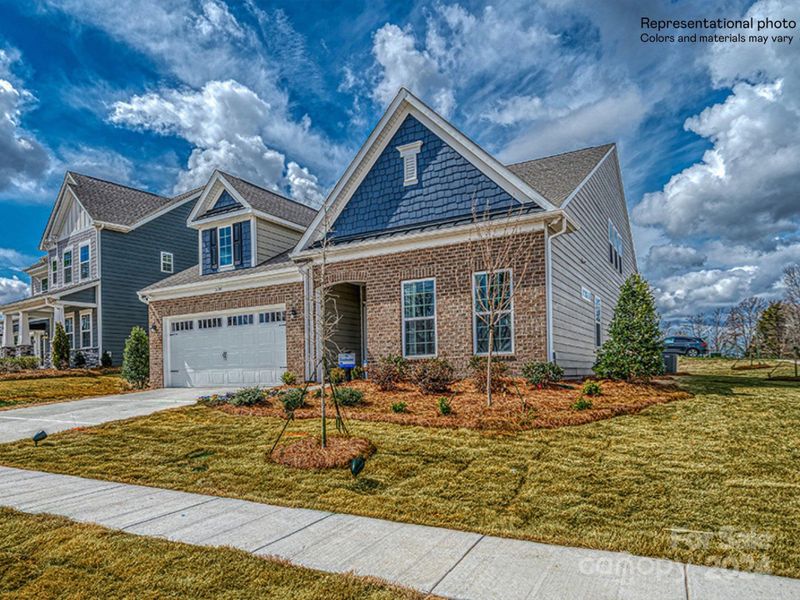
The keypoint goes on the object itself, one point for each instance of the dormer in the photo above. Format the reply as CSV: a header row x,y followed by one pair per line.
x,y
240,224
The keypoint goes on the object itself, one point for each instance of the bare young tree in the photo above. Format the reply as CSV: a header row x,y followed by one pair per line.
x,y
501,263
791,283
697,325
743,323
716,330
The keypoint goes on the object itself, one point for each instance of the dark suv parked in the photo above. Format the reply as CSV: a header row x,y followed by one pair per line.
x,y
690,346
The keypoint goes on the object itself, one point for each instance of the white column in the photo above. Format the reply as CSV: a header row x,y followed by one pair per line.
x,y
24,338
58,316
8,331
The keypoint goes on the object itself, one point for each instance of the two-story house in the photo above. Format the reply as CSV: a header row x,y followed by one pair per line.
x,y
103,242
397,237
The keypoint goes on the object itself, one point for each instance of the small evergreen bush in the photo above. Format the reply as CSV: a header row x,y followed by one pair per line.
x,y
79,360
18,363
337,375
444,406
105,359
60,348
292,399
399,407
388,371
477,366
582,404
542,374
247,396
434,375
357,372
592,388
289,378
136,358
348,396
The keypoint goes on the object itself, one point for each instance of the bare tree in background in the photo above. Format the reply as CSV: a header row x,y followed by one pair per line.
x,y
743,323
496,250
791,283
717,330
697,325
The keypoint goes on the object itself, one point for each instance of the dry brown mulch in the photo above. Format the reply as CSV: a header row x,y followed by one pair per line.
x,y
751,367
521,407
309,454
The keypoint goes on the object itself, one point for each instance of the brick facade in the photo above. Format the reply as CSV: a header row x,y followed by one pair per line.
x,y
290,294
452,266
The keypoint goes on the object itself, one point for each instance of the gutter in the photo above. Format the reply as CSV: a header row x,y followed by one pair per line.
x,y
548,253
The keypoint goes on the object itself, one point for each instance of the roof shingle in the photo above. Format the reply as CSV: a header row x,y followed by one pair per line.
x,y
272,203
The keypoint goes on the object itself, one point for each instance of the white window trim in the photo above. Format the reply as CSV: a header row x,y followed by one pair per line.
x,y
403,319
171,262
41,283
54,274
89,260
71,319
220,266
509,310
90,330
71,251
410,151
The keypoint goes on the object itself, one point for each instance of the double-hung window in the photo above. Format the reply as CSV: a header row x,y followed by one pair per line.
x,y
69,329
167,262
44,284
67,260
493,310
83,257
225,246
86,329
54,271
419,318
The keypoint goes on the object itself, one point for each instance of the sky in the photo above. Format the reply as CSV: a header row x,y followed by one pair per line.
x,y
158,93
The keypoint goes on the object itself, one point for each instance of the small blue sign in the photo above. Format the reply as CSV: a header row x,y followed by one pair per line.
x,y
347,360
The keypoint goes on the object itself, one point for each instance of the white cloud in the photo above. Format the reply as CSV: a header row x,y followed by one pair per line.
x,y
515,110
12,289
23,159
304,186
14,260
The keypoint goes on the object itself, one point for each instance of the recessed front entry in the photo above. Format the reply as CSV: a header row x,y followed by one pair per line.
x,y
226,348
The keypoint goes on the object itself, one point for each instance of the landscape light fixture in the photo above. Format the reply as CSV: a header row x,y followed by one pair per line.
x,y
357,465
39,436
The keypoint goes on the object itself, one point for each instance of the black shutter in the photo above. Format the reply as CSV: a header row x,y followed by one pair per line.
x,y
237,244
212,247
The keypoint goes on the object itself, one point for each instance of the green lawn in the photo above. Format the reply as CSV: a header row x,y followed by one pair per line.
x,y
723,462
42,556
15,393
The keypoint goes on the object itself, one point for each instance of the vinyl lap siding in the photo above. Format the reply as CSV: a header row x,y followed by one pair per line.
x,y
580,259
345,301
132,261
272,239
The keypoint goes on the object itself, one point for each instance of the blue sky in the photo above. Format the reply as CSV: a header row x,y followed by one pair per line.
x,y
157,93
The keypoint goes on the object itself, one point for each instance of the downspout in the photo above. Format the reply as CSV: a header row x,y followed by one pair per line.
x,y
98,236
308,319
548,257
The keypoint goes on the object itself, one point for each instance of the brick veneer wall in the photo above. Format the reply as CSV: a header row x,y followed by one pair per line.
x,y
452,266
290,294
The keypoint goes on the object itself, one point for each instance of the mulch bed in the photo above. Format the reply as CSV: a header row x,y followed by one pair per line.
x,y
49,373
513,410
751,367
308,453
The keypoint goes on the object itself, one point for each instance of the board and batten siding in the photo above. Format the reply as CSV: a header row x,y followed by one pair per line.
x,y
132,261
273,239
580,260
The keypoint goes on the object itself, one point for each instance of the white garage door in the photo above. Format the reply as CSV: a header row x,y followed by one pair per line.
x,y
227,348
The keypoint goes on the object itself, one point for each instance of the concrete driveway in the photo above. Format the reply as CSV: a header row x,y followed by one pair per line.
x,y
22,423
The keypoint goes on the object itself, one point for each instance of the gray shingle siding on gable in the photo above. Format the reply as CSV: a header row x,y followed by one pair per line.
x,y
132,261
448,185
247,253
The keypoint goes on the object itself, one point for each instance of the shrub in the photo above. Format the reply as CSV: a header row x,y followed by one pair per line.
x,y
337,375
136,358
348,396
215,399
477,366
79,360
388,371
592,388
444,406
60,348
542,374
633,350
289,378
293,399
434,375
19,363
105,359
247,396
399,407
582,404
357,372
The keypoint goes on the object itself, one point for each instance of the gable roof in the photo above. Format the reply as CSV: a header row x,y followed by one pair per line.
x,y
556,177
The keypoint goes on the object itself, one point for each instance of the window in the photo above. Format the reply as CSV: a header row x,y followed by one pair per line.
x,y
586,294
614,247
67,260
182,326
54,270
211,323
69,329
167,265
236,320
598,321
225,246
276,316
44,284
83,256
86,329
419,318
493,298
408,154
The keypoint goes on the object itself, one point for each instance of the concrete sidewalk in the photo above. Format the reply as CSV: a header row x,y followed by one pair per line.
x,y
444,562
22,423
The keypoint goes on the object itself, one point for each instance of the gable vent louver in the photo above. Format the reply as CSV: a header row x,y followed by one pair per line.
x,y
408,154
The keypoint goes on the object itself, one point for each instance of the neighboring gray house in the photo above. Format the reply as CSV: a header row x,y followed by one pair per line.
x,y
104,241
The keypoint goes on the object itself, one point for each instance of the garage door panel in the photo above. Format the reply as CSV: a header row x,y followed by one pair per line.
x,y
235,353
